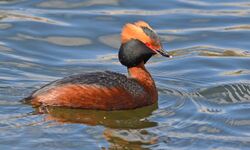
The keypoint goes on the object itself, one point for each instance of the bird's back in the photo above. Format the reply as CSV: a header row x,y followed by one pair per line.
x,y
105,79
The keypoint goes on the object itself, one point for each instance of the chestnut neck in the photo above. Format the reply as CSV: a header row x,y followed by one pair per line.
x,y
144,78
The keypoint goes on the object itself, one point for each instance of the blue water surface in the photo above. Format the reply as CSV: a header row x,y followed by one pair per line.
x,y
204,90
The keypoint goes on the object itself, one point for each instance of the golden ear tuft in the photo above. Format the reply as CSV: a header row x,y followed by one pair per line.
x,y
142,24
131,31
127,32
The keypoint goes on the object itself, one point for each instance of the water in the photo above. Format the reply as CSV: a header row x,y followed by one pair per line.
x,y
204,90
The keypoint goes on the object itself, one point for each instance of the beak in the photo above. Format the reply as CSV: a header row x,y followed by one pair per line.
x,y
163,53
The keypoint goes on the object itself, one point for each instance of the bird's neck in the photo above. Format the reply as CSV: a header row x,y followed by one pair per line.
x,y
141,74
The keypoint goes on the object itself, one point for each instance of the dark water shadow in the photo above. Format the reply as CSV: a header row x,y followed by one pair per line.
x,y
131,139
122,119
228,93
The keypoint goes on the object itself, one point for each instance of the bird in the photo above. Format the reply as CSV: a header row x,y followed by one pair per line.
x,y
107,90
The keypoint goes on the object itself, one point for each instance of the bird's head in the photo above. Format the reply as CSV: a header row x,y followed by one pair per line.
x,y
139,43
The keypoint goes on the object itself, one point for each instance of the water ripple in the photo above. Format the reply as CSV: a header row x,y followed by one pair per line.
x,y
58,40
211,52
63,4
235,12
229,93
13,16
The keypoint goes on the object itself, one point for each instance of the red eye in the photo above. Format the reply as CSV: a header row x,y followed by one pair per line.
x,y
148,45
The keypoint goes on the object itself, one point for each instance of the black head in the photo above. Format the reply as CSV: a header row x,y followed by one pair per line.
x,y
134,52
139,43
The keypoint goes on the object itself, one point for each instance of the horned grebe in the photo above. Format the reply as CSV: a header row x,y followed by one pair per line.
x,y
110,90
